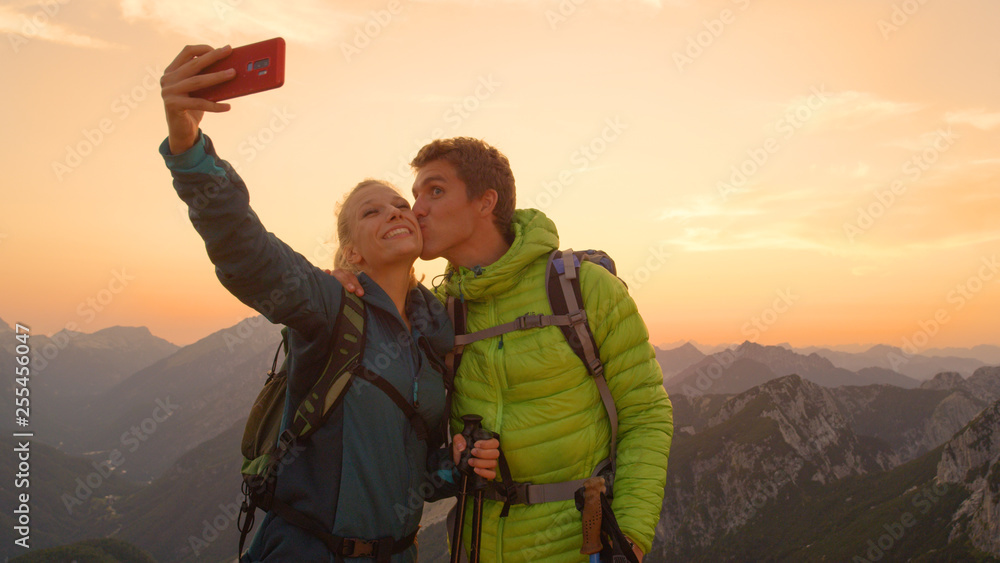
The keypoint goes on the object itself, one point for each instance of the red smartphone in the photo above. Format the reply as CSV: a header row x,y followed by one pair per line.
x,y
259,66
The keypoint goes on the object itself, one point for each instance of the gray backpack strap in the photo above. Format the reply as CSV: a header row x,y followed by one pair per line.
x,y
523,322
566,298
527,493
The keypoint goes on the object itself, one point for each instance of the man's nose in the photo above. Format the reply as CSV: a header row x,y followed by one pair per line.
x,y
419,208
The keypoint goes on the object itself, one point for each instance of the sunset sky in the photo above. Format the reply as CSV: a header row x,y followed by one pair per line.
x,y
817,173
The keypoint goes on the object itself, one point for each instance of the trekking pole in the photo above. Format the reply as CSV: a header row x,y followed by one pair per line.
x,y
479,486
590,512
471,423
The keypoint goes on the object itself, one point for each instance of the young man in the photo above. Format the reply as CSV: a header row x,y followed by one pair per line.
x,y
528,385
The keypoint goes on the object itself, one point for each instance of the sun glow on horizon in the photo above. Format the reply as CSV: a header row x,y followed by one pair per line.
x,y
829,170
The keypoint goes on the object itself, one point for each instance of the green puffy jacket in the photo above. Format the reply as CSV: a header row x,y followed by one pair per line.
x,y
531,389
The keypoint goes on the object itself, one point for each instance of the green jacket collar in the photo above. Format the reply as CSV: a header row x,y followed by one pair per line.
x,y
535,235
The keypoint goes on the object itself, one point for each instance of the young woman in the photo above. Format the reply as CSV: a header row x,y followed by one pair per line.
x,y
356,476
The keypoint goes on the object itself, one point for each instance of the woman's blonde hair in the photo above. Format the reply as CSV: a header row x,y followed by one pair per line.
x,y
346,219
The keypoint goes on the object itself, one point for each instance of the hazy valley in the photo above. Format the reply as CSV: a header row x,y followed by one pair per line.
x,y
779,454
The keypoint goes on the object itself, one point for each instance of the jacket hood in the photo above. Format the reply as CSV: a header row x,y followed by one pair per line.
x,y
427,315
430,319
534,235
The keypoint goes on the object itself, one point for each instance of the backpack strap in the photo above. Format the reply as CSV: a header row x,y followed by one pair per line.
x,y
416,421
348,345
524,322
456,312
566,298
329,390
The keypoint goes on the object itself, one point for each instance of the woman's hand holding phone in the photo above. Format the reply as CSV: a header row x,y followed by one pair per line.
x,y
184,112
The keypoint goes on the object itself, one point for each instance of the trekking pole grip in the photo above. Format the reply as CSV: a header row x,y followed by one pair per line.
x,y
591,515
471,424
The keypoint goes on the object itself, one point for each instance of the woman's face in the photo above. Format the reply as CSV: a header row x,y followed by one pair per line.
x,y
385,230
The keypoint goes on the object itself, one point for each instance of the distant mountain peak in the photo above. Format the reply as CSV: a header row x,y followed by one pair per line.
x,y
118,329
790,386
791,380
944,380
687,347
884,349
117,337
987,372
767,353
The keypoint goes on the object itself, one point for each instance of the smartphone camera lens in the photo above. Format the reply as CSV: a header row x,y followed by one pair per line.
x,y
261,63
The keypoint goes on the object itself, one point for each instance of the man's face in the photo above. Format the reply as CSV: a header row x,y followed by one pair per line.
x,y
446,216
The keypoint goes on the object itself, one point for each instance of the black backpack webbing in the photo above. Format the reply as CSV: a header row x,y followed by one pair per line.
x,y
456,312
326,394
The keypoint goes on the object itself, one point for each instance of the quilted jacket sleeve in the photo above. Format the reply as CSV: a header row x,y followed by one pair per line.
x,y
254,265
645,415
